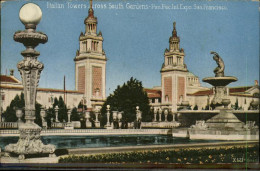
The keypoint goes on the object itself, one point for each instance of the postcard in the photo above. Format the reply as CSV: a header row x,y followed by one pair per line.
x,y
132,84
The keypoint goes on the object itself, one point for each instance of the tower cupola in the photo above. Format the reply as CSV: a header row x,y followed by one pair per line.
x,y
174,41
91,21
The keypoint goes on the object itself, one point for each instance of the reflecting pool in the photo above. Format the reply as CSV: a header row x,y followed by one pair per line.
x,y
106,141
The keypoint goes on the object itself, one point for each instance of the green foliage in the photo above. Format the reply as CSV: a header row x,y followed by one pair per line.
x,y
195,107
74,115
10,113
81,106
125,98
38,119
18,102
182,156
62,113
236,106
207,107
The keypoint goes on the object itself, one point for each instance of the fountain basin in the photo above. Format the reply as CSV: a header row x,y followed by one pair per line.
x,y
219,81
101,141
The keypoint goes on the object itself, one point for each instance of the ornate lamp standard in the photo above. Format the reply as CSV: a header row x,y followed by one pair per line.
x,y
19,114
119,116
43,115
88,123
30,69
155,114
165,115
160,114
108,115
56,109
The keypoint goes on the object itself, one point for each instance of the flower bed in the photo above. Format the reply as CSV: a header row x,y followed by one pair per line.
x,y
182,156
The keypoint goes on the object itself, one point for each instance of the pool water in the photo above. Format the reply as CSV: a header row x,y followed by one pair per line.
x,y
106,141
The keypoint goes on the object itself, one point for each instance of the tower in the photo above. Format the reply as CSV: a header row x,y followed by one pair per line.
x,y
173,73
90,63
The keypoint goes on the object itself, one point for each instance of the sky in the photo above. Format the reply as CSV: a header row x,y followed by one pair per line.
x,y
135,37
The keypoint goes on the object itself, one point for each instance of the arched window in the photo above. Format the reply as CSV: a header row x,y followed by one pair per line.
x,y
97,92
166,98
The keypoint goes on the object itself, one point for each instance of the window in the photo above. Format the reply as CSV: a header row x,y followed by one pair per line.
x,y
170,60
166,98
50,99
97,92
178,60
3,97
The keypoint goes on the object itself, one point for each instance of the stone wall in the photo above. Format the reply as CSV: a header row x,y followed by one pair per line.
x,y
189,118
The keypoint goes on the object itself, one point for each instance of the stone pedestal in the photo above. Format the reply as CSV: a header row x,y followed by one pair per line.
x,y
97,124
29,142
108,126
88,124
224,126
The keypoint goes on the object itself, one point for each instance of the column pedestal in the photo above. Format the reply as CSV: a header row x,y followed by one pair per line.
x,y
29,142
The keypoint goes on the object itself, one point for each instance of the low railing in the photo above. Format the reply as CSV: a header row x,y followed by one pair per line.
x,y
8,125
92,131
75,124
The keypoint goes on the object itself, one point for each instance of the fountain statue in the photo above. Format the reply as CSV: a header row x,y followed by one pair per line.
x,y
29,142
219,71
224,125
220,81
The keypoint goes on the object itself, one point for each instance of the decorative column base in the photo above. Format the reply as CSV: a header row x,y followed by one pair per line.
x,y
88,124
97,124
29,142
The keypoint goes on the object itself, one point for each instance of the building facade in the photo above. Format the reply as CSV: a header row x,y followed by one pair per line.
x,y
176,80
179,84
90,64
11,86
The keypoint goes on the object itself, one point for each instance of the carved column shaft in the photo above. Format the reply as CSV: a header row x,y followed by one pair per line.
x,y
220,94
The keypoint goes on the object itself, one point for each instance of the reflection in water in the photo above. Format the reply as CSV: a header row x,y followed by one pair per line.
x,y
105,141
155,140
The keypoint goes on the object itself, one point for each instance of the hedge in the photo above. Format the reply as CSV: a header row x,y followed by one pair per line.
x,y
182,156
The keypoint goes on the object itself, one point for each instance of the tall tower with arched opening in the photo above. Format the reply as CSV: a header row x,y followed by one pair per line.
x,y
90,63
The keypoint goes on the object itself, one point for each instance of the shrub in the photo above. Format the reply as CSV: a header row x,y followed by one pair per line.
x,y
183,156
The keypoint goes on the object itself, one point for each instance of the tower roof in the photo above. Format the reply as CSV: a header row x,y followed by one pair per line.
x,y
90,18
174,32
174,36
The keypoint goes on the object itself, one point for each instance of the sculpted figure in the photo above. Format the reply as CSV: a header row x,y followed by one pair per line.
x,y
219,70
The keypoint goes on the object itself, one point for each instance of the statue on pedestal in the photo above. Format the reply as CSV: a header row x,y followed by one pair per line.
x,y
219,70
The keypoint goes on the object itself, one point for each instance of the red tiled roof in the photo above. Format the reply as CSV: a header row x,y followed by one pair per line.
x,y
42,89
9,79
151,93
202,93
231,91
239,89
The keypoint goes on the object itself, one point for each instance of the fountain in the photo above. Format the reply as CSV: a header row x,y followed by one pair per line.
x,y
225,125
29,142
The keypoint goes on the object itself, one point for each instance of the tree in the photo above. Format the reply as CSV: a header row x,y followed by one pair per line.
x,y
125,98
81,106
62,113
195,107
74,115
10,113
62,110
236,106
18,102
